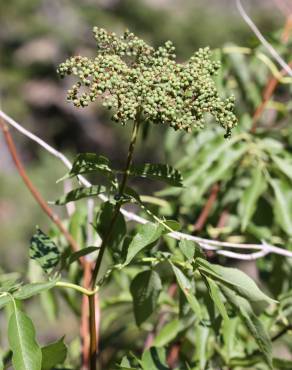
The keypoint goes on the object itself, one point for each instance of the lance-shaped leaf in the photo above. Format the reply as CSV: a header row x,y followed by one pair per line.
x,y
27,353
80,193
238,281
44,251
86,163
162,172
167,333
186,287
284,165
252,323
146,235
217,299
250,197
145,290
29,290
283,204
53,354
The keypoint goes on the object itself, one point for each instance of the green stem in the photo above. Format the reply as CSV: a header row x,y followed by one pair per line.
x,y
78,288
118,205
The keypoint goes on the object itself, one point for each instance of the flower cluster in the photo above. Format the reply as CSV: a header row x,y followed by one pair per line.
x,y
133,78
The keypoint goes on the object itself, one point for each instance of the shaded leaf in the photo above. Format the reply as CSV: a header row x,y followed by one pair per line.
x,y
119,230
162,172
53,354
83,252
252,323
154,359
80,193
145,289
27,354
44,251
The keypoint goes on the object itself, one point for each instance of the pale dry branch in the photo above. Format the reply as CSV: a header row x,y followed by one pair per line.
x,y
208,244
261,38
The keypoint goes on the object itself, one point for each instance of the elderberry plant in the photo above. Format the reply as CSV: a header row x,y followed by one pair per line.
x,y
152,275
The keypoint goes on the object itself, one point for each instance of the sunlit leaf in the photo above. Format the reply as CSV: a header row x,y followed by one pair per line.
x,y
145,236
162,172
186,287
248,202
283,204
27,353
86,163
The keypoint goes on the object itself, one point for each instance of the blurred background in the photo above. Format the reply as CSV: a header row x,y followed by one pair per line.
x,y
36,35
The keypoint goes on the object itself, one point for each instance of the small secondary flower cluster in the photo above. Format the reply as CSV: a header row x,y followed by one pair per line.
x,y
132,77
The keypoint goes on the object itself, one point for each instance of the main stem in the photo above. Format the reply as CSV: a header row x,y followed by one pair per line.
x,y
93,344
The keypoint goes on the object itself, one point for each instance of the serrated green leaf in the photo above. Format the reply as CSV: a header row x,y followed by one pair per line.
x,y
44,251
80,193
145,289
86,163
238,281
146,235
167,333
248,202
186,288
154,359
162,172
29,290
53,354
252,323
188,248
283,204
27,354
217,299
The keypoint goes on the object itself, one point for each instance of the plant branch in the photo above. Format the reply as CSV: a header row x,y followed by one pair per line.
x,y
261,38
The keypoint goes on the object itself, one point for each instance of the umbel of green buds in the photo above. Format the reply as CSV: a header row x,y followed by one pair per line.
x,y
133,78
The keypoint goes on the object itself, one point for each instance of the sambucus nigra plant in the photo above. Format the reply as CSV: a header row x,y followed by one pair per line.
x,y
139,84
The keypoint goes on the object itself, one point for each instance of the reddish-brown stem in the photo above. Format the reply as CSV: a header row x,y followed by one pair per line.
x,y
268,92
200,223
87,266
35,193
